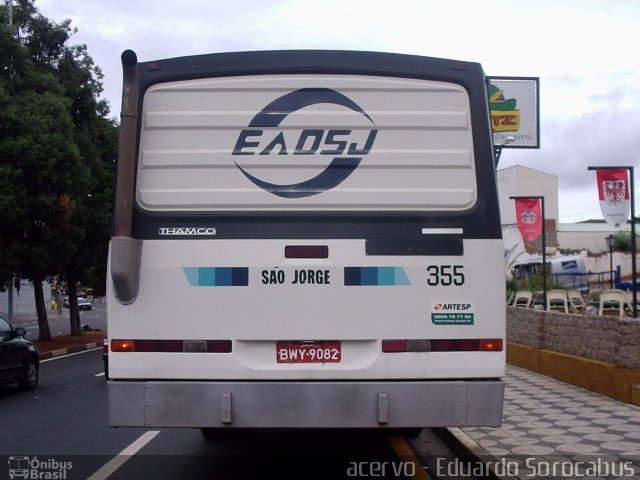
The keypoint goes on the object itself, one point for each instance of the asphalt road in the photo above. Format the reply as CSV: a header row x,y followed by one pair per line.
x,y
62,427
65,416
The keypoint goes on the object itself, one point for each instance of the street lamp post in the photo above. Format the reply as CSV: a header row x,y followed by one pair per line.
x,y
611,240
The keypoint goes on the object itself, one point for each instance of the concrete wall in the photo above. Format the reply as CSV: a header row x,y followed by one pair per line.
x,y
598,353
608,339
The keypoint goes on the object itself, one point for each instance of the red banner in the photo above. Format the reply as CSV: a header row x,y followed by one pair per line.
x,y
529,217
614,194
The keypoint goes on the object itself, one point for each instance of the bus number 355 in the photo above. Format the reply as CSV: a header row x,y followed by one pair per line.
x,y
445,275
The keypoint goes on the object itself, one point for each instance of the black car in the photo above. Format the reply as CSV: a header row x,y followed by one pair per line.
x,y
19,358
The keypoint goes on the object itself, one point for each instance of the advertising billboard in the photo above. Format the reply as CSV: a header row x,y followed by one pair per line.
x,y
515,111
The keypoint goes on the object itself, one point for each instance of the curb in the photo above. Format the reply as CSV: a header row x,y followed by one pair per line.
x,y
66,351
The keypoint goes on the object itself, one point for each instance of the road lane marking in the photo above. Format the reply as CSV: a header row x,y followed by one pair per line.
x,y
116,462
403,450
101,374
70,355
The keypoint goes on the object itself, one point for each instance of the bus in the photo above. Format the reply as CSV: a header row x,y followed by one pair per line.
x,y
305,240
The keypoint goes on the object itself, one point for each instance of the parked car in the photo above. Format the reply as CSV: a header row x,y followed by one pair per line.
x,y
83,303
105,357
19,358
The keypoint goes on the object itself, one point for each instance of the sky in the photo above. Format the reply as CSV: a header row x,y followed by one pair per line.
x,y
585,53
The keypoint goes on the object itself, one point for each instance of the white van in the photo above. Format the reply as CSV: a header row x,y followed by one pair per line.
x,y
568,271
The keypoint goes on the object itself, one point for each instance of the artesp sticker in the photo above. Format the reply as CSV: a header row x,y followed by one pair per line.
x,y
452,314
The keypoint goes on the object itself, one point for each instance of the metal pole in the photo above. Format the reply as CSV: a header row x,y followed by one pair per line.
x,y
634,266
10,301
544,255
610,263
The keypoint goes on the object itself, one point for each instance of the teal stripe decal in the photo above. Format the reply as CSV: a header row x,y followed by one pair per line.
x,y
217,276
375,276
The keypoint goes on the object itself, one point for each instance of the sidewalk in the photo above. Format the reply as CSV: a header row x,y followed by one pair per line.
x,y
66,344
562,425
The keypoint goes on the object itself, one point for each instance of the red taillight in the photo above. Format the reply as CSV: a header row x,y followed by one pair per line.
x,y
465,345
443,345
123,346
491,345
219,346
171,346
147,346
392,346
159,346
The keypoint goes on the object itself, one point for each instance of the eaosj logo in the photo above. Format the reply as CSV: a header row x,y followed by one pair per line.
x,y
267,136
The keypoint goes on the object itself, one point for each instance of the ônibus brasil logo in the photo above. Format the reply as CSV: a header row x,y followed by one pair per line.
x,y
265,136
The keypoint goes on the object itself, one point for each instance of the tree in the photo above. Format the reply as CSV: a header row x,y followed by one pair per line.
x,y
622,242
38,154
57,150
97,140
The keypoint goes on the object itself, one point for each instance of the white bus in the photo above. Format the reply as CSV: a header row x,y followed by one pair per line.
x,y
305,239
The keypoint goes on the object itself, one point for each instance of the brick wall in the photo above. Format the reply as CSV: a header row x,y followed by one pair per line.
x,y
607,339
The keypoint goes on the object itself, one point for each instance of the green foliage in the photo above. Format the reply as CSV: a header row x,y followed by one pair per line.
x,y
57,152
622,242
39,154
533,283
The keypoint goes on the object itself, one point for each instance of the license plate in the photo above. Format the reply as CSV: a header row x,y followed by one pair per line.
x,y
308,352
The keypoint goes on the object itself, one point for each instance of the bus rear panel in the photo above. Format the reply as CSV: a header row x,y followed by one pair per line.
x,y
305,239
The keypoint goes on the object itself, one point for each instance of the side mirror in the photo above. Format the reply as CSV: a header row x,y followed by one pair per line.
x,y
19,332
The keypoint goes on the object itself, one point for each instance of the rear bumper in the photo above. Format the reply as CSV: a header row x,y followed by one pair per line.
x,y
402,404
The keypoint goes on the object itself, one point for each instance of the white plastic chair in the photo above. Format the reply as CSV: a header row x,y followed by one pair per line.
x,y
538,300
576,302
593,301
594,296
628,300
612,302
558,300
523,299
511,298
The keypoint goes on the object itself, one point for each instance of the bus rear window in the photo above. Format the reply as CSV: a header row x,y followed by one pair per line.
x,y
306,142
